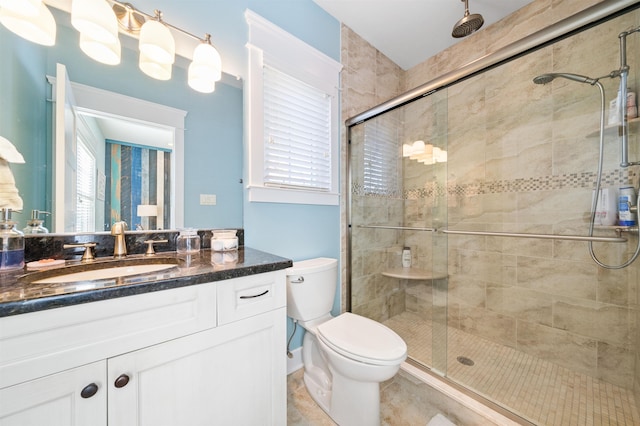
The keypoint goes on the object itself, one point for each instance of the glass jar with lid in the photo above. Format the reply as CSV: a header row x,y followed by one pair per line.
x,y
188,241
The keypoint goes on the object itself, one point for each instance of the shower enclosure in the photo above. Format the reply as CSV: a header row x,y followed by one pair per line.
x,y
488,179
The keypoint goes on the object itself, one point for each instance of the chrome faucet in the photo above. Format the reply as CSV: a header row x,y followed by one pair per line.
x,y
119,246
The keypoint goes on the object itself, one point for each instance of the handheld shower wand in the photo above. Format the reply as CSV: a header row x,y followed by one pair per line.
x,y
547,78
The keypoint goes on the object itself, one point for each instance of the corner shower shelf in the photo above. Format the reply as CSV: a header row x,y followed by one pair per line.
x,y
411,274
633,123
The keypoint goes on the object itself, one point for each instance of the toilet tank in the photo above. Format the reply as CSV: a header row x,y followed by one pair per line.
x,y
311,288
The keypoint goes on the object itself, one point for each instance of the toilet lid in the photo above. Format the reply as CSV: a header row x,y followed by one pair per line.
x,y
363,339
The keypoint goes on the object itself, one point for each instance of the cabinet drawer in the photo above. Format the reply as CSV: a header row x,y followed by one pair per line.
x,y
247,296
40,343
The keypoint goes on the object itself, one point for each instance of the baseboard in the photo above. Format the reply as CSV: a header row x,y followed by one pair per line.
x,y
294,363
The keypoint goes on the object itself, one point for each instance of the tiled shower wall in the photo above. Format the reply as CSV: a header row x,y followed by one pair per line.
x,y
520,159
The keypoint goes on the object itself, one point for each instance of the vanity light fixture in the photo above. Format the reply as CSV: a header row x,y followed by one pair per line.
x,y
98,27
31,20
153,68
98,22
156,44
94,19
206,67
24,7
106,53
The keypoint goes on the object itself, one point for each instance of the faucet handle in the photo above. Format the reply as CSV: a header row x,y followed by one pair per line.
x,y
87,256
150,251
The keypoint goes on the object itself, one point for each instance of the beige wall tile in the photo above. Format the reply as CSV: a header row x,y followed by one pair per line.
x,y
560,347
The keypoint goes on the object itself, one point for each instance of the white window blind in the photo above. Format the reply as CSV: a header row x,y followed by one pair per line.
x,y
381,157
297,132
85,189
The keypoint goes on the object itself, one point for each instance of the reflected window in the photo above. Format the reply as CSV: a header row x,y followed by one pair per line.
x,y
381,159
85,188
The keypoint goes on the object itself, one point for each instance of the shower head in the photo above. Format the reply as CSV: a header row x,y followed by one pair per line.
x,y
468,24
548,78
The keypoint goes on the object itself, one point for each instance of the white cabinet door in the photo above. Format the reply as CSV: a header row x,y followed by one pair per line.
x,y
65,398
230,375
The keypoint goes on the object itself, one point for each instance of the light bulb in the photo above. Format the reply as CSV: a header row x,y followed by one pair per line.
x,y
106,53
39,28
96,19
156,42
154,69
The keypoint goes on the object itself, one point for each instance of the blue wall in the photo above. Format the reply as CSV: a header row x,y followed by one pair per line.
x,y
213,158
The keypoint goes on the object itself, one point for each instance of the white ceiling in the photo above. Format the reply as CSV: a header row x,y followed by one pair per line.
x,y
410,31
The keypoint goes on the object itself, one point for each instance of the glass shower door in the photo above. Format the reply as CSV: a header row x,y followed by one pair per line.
x,y
398,199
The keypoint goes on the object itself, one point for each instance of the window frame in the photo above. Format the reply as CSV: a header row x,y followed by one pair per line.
x,y
270,45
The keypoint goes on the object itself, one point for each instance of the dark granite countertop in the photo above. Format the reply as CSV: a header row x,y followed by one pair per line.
x,y
19,296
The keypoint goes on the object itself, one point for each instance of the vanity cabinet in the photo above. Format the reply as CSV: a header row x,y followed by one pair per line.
x,y
56,399
204,354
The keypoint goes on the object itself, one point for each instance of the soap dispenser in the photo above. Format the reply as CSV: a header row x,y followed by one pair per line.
x,y
34,225
11,242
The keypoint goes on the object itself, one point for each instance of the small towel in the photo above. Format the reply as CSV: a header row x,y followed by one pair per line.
x,y
9,197
9,152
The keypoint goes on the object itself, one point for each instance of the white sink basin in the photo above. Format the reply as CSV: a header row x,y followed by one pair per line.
x,y
106,273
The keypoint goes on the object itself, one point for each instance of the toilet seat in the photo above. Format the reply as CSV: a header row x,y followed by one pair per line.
x,y
362,339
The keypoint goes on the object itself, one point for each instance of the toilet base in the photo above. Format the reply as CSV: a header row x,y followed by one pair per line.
x,y
341,405
348,402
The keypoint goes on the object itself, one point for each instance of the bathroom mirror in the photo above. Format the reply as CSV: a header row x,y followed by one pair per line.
x,y
212,142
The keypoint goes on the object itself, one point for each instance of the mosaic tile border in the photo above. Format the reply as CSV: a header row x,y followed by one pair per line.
x,y
618,177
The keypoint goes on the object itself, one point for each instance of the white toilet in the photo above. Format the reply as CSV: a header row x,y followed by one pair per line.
x,y
345,358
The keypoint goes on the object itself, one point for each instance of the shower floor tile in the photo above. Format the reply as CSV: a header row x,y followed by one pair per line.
x,y
538,390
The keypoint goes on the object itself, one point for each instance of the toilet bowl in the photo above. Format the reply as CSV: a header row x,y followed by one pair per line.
x,y
345,357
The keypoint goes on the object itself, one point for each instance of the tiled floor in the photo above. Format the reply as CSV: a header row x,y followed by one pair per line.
x,y
538,390
403,402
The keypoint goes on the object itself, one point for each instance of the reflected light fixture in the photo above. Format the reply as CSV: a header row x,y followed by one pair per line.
x,y
206,67
31,20
424,153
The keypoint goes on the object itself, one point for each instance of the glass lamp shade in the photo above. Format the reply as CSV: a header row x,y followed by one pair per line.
x,y
154,69
22,7
205,69
156,42
40,28
106,53
96,19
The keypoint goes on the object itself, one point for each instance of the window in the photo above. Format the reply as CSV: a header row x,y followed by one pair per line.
x,y
293,126
297,131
